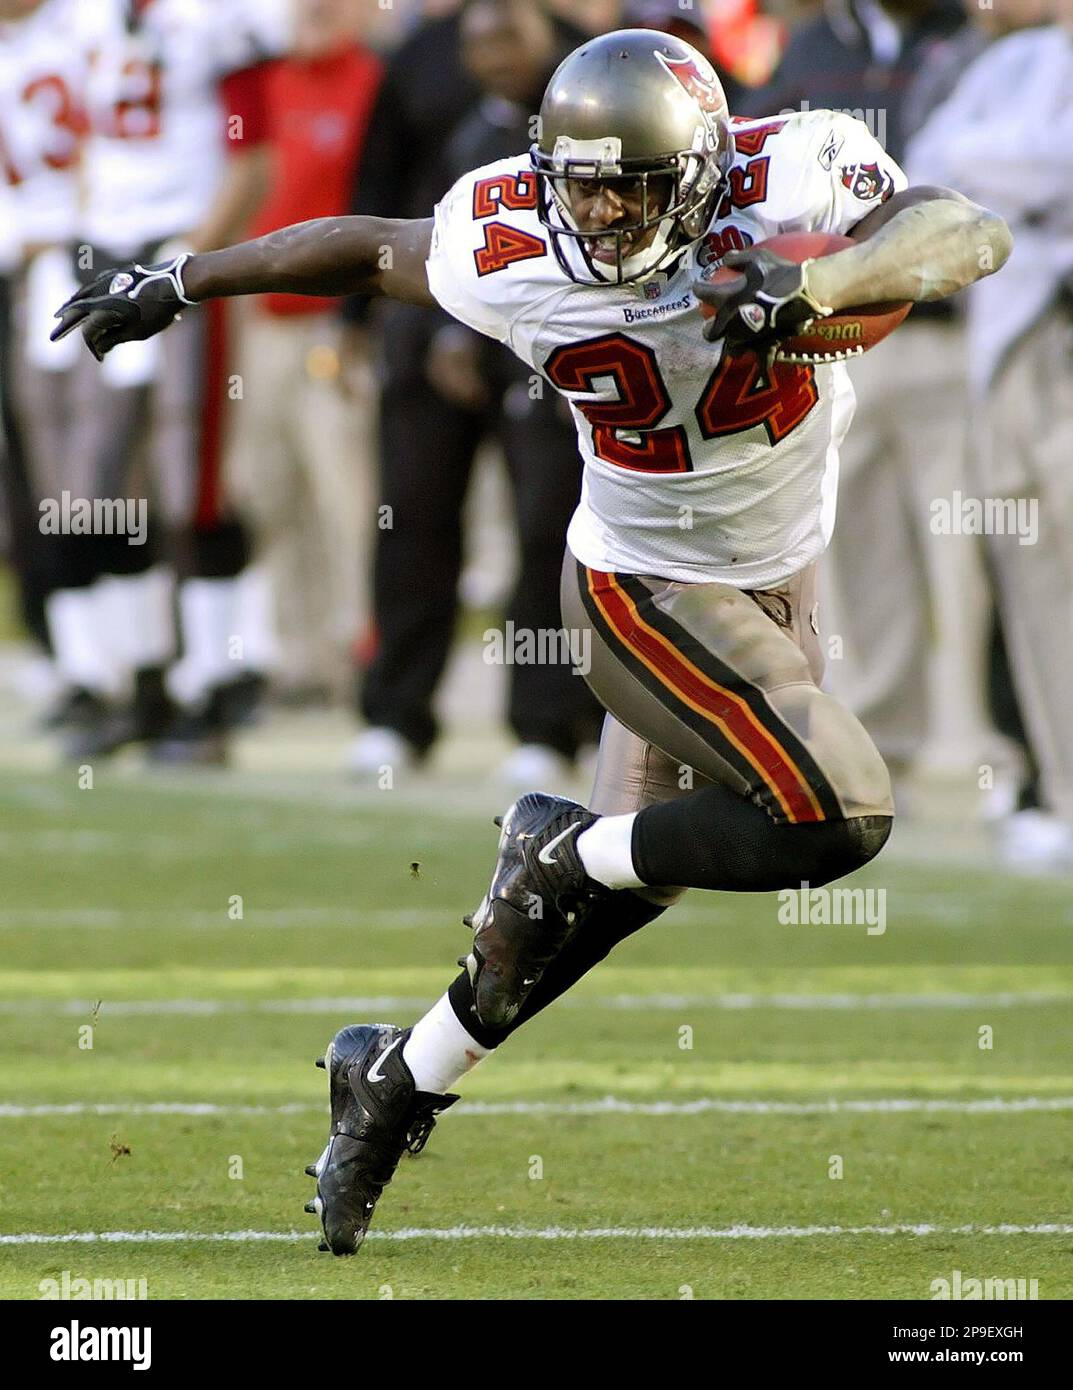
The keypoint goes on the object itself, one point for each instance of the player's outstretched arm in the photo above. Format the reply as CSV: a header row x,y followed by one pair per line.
x,y
923,243
328,256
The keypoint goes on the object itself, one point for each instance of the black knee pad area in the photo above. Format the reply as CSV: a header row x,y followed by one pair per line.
x,y
718,840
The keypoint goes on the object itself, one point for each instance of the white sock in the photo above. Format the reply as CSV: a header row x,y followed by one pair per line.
x,y
79,628
208,611
605,850
439,1050
141,622
256,621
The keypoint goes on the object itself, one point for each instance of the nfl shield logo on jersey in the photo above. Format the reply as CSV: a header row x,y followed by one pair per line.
x,y
653,289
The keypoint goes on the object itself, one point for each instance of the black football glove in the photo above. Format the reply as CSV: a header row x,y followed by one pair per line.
x,y
124,305
769,299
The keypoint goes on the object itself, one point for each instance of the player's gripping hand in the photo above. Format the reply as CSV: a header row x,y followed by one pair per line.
x,y
767,298
126,304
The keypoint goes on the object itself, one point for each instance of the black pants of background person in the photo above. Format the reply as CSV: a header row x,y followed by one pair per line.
x,y
427,448
1006,713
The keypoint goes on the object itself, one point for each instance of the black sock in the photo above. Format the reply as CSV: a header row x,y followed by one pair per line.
x,y
612,921
717,839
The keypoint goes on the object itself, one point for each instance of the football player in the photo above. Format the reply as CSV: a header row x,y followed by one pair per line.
x,y
41,126
708,497
169,163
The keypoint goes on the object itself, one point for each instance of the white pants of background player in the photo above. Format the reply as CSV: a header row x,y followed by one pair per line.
x,y
301,471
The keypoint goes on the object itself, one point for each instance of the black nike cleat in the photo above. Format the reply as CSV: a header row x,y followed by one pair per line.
x,y
377,1116
539,896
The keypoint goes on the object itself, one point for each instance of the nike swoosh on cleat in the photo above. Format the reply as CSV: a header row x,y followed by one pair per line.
x,y
374,1074
545,854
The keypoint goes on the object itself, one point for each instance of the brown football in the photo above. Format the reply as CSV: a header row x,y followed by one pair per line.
x,y
840,336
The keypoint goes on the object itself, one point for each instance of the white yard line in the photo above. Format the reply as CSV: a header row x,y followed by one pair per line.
x,y
451,1233
608,1105
642,1003
199,919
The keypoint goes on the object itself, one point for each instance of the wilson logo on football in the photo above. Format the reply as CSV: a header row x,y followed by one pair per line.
x,y
850,331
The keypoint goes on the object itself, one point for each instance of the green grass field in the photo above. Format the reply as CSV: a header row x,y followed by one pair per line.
x,y
710,1170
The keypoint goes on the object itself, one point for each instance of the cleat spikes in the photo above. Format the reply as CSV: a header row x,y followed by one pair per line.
x,y
320,1063
311,1170
467,920
310,1208
497,821
325,1247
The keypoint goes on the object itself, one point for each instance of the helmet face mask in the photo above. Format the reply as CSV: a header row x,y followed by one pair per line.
x,y
625,202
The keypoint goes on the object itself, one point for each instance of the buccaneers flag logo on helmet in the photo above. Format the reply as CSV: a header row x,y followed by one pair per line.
x,y
698,78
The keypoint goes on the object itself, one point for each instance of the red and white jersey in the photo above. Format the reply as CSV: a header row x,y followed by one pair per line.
x,y
41,124
158,129
697,466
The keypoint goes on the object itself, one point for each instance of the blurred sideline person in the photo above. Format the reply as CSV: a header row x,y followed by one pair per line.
x,y
301,461
428,439
685,23
41,126
166,169
943,63
424,94
1019,154
508,50
906,611
591,16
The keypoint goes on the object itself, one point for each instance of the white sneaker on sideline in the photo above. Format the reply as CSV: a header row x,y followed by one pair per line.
x,y
375,750
533,765
1036,842
1000,802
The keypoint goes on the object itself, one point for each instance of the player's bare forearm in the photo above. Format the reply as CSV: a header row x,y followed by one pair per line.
x,y
328,256
924,243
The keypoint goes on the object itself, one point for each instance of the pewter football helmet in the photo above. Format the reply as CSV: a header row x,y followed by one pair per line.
x,y
634,106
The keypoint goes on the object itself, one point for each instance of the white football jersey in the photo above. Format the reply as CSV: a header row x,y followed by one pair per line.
x,y
157,144
697,467
41,123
